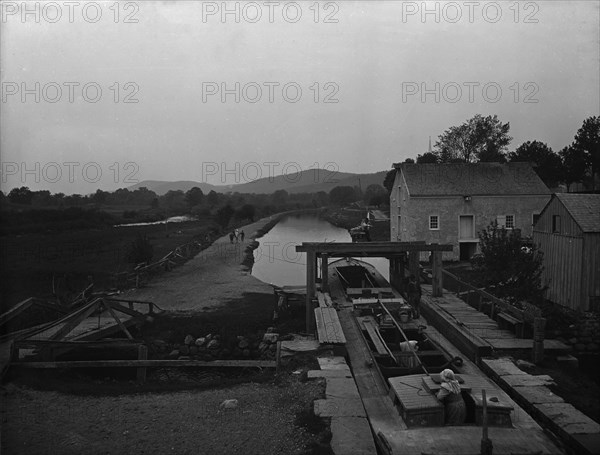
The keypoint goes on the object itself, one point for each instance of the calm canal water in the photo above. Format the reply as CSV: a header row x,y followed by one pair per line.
x,y
276,260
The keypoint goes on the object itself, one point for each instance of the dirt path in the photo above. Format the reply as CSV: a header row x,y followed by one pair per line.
x,y
209,280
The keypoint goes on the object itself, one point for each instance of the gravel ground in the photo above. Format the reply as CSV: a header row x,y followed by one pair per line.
x,y
192,422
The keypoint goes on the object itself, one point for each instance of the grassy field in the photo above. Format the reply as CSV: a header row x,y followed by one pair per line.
x,y
29,262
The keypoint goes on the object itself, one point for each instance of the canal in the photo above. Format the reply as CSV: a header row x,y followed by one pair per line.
x,y
276,260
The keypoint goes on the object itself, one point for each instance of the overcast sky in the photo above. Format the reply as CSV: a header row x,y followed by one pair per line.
x,y
344,85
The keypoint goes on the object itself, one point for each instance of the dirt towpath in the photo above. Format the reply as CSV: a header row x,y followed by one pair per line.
x,y
209,280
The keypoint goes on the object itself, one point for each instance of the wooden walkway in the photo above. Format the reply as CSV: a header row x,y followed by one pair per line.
x,y
481,326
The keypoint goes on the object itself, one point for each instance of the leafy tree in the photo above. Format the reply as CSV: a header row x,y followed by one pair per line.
x,y
588,140
246,212
99,197
388,181
375,194
194,196
427,157
21,195
512,270
141,250
409,161
321,199
212,198
173,200
342,195
478,139
280,197
224,215
546,163
574,165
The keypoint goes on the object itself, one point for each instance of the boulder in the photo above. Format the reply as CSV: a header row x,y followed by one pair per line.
x,y
243,344
200,341
188,340
213,344
173,354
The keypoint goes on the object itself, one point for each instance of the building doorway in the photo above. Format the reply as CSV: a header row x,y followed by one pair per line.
x,y
466,237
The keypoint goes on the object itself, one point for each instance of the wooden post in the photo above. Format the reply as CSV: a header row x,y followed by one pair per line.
x,y
142,355
539,324
436,272
310,288
324,273
486,443
413,264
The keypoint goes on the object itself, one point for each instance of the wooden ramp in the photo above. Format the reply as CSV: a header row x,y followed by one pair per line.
x,y
476,327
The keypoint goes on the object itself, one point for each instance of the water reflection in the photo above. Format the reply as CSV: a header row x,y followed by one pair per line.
x,y
276,259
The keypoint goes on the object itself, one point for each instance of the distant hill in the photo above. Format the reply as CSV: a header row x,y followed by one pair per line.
x,y
309,181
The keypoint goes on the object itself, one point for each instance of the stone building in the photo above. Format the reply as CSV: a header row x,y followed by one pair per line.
x,y
451,203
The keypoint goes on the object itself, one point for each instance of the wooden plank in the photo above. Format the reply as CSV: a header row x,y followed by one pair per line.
x,y
377,342
321,332
521,380
149,364
334,329
16,310
76,320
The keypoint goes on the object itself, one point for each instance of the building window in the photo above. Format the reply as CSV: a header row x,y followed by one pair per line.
x,y
509,222
434,222
556,223
506,221
535,218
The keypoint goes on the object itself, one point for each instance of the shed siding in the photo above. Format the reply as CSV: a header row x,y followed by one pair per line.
x,y
568,224
562,267
590,280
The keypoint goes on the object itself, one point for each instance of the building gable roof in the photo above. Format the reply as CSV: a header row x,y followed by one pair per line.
x,y
462,179
584,208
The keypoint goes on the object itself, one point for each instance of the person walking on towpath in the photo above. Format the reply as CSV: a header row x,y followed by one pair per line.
x,y
237,234
242,235
231,236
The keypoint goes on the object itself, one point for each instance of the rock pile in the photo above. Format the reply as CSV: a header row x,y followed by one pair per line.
x,y
262,345
584,336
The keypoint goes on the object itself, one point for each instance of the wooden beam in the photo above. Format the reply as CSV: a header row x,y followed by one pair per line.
x,y
148,364
324,273
368,248
113,314
76,319
310,288
436,273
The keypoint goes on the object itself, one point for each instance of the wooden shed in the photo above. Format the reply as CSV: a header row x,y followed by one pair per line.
x,y
568,233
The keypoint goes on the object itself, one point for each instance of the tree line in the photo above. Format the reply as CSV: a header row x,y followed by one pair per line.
x,y
486,139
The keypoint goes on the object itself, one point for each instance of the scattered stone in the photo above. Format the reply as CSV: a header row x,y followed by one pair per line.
x,y
173,354
208,337
213,344
270,330
188,340
243,344
200,341
229,404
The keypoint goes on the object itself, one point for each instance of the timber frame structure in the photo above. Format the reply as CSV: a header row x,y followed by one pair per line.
x,y
396,252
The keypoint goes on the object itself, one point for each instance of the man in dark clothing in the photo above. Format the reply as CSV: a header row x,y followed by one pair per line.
x,y
414,295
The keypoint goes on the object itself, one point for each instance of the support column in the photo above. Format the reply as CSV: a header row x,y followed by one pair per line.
x,y
436,273
324,273
413,264
310,287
